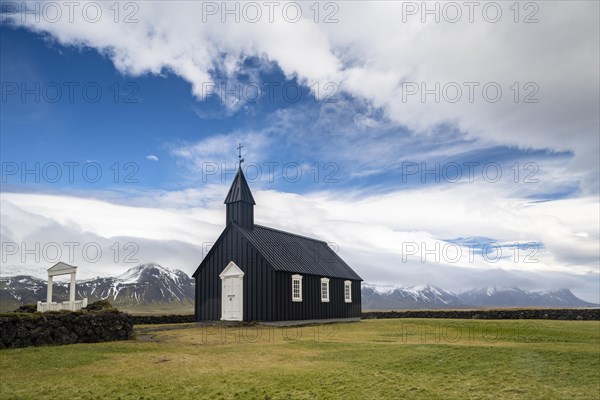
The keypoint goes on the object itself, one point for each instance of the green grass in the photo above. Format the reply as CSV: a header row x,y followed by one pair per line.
x,y
372,359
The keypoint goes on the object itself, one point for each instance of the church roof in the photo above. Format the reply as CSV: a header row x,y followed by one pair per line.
x,y
239,190
299,254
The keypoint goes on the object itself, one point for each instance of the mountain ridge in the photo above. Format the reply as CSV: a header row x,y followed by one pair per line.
x,y
153,286
388,297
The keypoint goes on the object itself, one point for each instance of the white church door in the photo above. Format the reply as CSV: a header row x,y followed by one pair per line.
x,y
232,290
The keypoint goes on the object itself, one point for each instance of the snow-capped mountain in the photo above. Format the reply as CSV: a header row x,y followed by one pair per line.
x,y
376,297
152,287
385,297
19,290
515,297
144,285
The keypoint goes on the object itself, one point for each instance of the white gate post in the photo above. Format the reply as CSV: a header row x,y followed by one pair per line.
x,y
72,289
49,295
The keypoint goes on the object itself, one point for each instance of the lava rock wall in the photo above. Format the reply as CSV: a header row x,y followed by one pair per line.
x,y
57,328
585,314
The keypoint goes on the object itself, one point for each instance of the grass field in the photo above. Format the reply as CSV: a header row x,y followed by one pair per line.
x,y
372,359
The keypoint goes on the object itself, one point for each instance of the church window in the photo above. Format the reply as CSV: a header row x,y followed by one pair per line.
x,y
296,287
324,290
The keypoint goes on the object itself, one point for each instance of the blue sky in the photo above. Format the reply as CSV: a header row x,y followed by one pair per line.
x,y
378,169
63,118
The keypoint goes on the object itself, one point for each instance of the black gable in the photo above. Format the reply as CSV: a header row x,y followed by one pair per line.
x,y
300,254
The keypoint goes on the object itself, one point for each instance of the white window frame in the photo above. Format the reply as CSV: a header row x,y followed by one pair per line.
x,y
348,294
299,279
324,299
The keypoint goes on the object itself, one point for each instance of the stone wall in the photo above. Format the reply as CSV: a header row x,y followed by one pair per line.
x,y
56,328
586,314
162,319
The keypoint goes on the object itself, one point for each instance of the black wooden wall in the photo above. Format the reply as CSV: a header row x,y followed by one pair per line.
x,y
311,306
241,213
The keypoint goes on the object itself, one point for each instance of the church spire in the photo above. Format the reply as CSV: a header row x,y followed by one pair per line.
x,y
239,190
239,200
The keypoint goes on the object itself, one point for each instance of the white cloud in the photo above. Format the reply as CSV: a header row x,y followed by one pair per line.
x,y
372,50
221,147
369,231
151,157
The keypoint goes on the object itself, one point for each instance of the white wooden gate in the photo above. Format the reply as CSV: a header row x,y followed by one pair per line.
x,y
232,291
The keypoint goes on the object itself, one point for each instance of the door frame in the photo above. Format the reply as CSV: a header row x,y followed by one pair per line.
x,y
232,271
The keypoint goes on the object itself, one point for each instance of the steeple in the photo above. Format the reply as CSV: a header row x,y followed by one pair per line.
x,y
239,200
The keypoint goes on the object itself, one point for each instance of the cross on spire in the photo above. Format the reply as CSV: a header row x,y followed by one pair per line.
x,y
240,154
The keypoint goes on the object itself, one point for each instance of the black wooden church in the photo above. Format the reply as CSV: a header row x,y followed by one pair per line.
x,y
255,273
